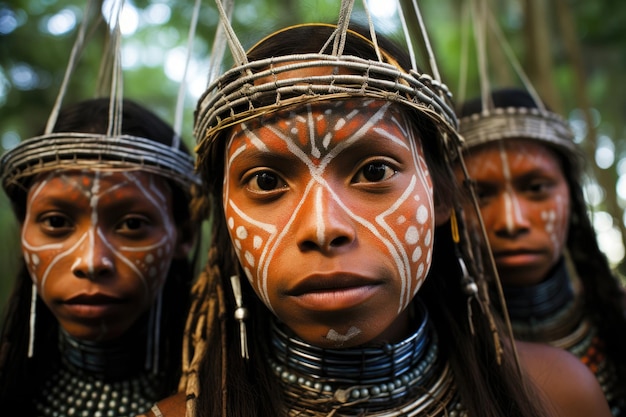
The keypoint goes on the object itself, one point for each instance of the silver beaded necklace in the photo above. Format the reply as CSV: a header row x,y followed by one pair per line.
x,y
97,380
408,378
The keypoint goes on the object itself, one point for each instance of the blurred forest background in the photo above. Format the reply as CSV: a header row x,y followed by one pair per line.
x,y
573,51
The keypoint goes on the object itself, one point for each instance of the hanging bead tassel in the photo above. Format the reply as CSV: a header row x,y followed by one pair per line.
x,y
470,288
31,321
241,314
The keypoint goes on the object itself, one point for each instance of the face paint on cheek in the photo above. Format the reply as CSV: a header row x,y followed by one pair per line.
x,y
40,259
251,238
409,223
151,262
556,221
252,242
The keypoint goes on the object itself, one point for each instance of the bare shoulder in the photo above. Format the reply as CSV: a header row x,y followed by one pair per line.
x,y
174,406
567,384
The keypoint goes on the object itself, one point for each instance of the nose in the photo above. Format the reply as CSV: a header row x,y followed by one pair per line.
x,y
323,225
510,218
94,259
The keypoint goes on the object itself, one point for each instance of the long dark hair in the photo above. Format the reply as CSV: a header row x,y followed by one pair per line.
x,y
18,374
602,289
228,385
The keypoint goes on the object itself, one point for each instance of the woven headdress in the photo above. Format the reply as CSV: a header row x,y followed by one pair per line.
x,y
253,88
103,151
499,123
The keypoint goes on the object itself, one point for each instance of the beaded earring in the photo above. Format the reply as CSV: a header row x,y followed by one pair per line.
x,y
31,321
154,334
241,314
470,288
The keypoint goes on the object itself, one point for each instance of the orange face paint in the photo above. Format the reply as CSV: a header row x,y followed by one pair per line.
x,y
330,209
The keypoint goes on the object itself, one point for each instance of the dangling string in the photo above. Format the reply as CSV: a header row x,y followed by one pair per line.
x,y
342,26
236,49
71,65
153,342
370,24
180,100
429,49
117,86
465,27
219,46
480,11
469,285
31,321
508,51
407,37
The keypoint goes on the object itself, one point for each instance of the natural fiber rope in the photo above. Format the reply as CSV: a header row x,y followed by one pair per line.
x,y
364,79
516,122
109,151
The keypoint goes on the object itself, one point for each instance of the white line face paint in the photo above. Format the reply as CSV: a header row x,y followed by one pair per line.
x,y
96,232
378,229
512,210
525,204
340,339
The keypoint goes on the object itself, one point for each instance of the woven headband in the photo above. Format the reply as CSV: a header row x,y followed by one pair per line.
x,y
514,123
94,151
254,89
111,151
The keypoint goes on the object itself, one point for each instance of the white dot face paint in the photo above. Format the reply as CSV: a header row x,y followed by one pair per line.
x,y
525,204
99,246
331,209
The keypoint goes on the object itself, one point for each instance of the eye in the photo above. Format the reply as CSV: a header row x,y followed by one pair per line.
x,y
132,224
374,172
538,188
56,223
484,192
264,182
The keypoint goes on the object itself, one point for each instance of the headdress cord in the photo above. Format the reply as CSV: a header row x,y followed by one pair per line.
x,y
505,313
71,65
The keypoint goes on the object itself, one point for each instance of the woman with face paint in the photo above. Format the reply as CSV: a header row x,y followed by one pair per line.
x,y
94,326
558,285
334,285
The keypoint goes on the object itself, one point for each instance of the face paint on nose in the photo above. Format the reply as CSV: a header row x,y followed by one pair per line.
x,y
401,227
89,248
512,208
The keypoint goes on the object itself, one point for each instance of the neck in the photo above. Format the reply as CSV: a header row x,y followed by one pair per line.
x,y
112,359
316,381
540,300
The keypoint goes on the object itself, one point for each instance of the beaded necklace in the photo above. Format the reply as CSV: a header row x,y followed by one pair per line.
x,y
547,311
99,379
552,312
408,378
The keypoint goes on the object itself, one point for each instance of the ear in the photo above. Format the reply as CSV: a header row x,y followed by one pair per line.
x,y
185,239
442,213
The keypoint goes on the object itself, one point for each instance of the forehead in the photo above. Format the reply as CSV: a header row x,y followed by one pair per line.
x,y
102,180
328,122
519,149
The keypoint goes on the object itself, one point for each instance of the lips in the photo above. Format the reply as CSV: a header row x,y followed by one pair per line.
x,y
332,292
93,299
92,306
517,257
